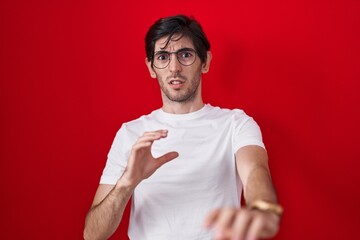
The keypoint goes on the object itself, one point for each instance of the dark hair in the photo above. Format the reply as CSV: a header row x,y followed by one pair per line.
x,y
179,24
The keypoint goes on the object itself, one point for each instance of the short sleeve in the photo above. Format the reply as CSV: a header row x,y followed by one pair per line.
x,y
117,158
246,132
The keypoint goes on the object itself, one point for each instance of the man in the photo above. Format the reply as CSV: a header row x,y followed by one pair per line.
x,y
185,164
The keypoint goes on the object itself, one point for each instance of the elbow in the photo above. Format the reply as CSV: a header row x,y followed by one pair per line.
x,y
87,235
91,235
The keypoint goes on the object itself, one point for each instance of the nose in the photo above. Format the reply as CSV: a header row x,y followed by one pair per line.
x,y
174,65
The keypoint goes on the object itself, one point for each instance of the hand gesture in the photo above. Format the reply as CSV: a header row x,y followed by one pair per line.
x,y
242,224
142,164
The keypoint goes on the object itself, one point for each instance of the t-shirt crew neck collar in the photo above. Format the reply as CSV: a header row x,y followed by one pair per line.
x,y
185,116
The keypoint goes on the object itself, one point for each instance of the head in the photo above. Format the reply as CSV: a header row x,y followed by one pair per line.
x,y
181,26
178,39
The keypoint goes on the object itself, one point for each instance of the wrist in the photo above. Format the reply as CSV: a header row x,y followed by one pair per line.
x,y
266,206
126,183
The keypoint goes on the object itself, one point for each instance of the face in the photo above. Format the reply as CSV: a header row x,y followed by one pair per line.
x,y
179,83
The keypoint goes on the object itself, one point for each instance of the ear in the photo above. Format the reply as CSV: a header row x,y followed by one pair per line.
x,y
151,70
206,65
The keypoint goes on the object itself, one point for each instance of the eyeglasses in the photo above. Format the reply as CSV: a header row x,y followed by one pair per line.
x,y
185,56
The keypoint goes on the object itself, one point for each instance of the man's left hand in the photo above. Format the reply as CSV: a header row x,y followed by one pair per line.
x,y
242,224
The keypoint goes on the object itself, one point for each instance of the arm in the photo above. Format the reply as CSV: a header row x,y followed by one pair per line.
x,y
107,210
110,201
244,223
253,169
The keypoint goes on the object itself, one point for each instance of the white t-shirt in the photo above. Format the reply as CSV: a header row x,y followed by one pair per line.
x,y
173,202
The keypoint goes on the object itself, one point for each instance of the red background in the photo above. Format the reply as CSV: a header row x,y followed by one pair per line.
x,y
73,71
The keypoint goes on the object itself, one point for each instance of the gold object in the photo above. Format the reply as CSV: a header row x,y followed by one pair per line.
x,y
267,206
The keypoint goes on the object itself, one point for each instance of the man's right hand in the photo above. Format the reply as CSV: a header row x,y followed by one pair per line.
x,y
109,202
142,164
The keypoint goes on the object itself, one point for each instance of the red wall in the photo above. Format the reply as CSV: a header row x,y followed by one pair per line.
x,y
72,71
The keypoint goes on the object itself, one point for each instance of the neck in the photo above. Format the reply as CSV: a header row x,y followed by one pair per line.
x,y
182,107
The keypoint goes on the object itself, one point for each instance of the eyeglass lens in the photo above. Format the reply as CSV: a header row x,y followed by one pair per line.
x,y
185,57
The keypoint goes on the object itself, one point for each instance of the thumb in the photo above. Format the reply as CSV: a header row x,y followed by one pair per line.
x,y
167,157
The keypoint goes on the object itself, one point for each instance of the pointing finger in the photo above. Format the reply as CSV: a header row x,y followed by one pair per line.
x,y
211,217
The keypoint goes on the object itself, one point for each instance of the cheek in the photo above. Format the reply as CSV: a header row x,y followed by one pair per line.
x,y
198,72
160,76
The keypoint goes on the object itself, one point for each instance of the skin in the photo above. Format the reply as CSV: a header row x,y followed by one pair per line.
x,y
110,201
190,75
232,223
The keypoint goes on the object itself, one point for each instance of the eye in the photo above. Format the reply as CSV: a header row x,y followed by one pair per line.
x,y
185,54
162,56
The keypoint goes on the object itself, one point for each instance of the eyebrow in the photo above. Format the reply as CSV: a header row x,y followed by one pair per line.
x,y
179,50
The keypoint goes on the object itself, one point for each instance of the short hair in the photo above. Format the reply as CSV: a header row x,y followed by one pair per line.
x,y
173,25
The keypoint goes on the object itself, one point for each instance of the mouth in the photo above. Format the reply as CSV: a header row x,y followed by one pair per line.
x,y
176,82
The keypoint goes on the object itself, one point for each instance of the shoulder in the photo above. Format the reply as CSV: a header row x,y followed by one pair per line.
x,y
235,114
138,125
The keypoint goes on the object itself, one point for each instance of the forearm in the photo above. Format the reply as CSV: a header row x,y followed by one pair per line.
x,y
103,219
261,217
247,223
259,186
253,169
109,202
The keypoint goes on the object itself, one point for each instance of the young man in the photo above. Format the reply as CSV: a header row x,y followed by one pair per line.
x,y
185,165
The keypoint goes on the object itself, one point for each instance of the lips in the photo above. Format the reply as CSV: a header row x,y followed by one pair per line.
x,y
176,82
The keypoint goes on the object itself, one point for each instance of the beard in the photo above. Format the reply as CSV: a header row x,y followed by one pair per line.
x,y
181,95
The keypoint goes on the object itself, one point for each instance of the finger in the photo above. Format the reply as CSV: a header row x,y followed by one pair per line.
x,y
255,228
270,225
223,223
141,145
152,136
161,131
149,138
166,158
211,218
240,225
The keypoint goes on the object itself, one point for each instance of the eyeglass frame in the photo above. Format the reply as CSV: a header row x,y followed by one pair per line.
x,y
177,58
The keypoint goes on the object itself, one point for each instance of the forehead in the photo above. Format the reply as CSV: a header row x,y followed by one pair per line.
x,y
174,44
